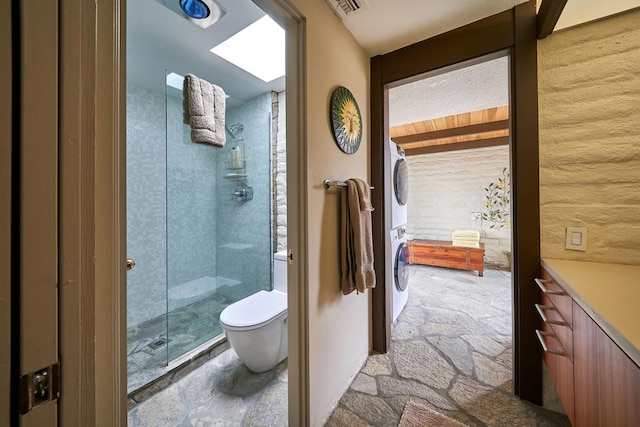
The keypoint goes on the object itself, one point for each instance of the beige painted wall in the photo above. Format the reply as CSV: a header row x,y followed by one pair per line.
x,y
589,110
338,325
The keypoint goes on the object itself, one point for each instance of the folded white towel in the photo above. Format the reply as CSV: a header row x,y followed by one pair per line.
x,y
466,233
204,110
468,239
465,244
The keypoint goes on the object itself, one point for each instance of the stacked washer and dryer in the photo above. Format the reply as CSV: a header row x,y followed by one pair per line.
x,y
398,262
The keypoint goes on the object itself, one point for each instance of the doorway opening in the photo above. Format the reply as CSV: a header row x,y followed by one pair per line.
x,y
450,223
511,32
206,214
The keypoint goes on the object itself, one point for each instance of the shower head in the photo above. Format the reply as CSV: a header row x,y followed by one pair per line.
x,y
235,130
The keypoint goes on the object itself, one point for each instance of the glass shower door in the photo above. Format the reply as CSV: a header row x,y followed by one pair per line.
x,y
219,218
146,235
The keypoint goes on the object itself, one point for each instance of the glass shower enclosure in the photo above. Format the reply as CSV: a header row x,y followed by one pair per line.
x,y
199,224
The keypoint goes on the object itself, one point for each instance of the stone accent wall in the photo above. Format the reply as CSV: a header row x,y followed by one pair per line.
x,y
280,164
589,111
445,188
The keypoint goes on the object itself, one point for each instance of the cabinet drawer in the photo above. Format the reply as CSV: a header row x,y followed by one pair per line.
x,y
561,372
551,316
558,296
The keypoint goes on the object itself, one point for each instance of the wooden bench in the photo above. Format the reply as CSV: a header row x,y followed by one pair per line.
x,y
443,254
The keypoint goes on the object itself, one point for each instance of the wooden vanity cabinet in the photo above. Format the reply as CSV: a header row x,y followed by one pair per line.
x,y
598,384
556,312
607,381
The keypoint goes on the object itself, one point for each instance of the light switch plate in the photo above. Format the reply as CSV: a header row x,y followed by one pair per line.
x,y
576,238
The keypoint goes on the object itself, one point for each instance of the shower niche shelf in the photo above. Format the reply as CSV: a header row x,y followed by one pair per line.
x,y
235,176
239,165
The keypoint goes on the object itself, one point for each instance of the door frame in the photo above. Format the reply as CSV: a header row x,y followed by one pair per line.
x,y
513,31
93,218
8,389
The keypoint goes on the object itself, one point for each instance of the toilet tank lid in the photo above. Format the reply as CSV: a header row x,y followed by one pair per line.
x,y
254,309
281,255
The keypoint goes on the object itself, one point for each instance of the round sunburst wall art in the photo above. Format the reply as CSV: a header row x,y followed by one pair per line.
x,y
346,121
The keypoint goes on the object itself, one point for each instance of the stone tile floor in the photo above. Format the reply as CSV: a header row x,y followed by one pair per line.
x,y
222,392
450,351
150,347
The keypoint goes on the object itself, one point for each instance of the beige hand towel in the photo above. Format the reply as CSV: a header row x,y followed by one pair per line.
x,y
204,110
357,239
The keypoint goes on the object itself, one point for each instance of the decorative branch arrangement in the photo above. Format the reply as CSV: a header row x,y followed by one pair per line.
x,y
497,198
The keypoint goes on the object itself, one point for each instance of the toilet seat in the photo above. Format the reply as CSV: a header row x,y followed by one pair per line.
x,y
254,311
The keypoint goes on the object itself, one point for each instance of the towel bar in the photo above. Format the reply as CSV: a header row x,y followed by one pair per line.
x,y
327,184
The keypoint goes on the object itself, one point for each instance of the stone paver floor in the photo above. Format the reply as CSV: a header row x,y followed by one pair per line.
x,y
222,392
450,351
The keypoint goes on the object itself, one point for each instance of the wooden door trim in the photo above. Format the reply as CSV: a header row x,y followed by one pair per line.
x,y
77,212
9,342
288,16
512,31
93,214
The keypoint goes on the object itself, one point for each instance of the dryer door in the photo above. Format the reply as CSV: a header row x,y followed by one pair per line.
x,y
401,267
401,182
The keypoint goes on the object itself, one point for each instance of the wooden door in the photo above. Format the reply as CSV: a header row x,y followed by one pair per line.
x,y
38,192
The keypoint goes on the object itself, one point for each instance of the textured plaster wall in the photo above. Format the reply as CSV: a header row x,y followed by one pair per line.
x,y
445,188
589,110
338,325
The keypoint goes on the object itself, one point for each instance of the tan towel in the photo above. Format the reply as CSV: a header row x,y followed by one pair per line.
x,y
356,238
203,106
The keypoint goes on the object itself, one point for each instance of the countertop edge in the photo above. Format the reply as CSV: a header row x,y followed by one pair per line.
x,y
620,340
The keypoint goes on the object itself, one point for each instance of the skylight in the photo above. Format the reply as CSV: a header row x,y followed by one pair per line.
x,y
258,49
175,80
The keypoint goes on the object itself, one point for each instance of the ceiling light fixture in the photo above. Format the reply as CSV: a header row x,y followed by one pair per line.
x,y
195,8
201,13
258,49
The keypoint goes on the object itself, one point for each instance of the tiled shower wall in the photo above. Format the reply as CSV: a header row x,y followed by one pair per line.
x,y
209,234
192,177
244,229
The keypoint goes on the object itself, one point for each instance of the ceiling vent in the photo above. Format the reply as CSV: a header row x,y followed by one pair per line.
x,y
346,8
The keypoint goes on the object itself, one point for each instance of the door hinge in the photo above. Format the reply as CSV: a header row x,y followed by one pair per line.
x,y
290,256
39,387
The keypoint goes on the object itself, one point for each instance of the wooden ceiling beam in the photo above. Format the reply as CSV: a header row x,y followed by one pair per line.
x,y
548,15
466,145
452,132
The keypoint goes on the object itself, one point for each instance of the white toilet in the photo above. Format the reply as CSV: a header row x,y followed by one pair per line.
x,y
256,326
